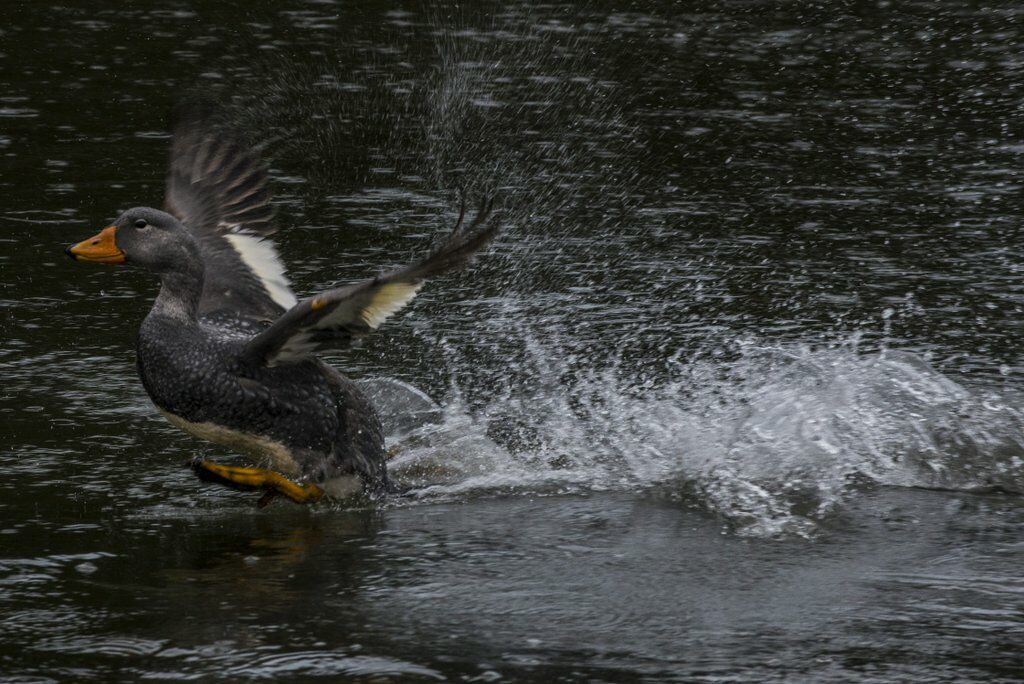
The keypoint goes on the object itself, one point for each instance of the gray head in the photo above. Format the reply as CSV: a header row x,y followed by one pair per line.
x,y
141,236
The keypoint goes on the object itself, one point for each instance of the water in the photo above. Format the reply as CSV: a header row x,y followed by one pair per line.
x,y
736,396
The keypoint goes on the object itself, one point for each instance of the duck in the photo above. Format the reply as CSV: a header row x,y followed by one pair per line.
x,y
228,353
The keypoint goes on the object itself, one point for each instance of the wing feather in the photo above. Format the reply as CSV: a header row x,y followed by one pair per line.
x,y
219,189
333,319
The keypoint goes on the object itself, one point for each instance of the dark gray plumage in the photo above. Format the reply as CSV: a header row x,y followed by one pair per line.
x,y
219,188
226,352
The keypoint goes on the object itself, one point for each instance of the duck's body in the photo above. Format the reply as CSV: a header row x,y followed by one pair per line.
x,y
305,420
226,353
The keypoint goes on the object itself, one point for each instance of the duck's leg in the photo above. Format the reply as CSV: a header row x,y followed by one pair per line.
x,y
251,479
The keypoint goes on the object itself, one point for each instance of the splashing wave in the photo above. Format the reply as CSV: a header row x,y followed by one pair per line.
x,y
773,441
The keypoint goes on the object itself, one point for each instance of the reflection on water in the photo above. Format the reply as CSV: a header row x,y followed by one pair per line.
x,y
613,584
760,289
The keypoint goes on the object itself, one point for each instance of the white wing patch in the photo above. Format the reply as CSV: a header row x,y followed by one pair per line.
x,y
388,299
260,256
384,301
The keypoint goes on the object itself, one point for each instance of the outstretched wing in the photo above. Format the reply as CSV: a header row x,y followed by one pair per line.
x,y
218,188
332,319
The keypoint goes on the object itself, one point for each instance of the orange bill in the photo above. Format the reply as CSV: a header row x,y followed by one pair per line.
x,y
100,248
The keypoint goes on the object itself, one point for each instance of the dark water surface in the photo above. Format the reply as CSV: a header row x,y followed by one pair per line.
x,y
736,397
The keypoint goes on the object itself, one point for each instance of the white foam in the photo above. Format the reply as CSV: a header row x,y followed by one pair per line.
x,y
775,441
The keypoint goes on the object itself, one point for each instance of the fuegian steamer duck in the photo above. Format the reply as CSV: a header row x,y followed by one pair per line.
x,y
227,353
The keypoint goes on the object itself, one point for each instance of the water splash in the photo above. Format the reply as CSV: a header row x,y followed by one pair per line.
x,y
774,441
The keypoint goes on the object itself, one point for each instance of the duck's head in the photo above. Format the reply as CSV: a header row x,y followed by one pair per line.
x,y
145,237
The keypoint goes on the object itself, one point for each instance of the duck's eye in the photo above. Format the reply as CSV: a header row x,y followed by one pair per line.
x,y
141,223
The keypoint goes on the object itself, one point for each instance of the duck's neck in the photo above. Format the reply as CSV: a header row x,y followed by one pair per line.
x,y
179,294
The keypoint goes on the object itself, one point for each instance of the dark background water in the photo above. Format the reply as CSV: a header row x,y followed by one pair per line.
x,y
734,398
